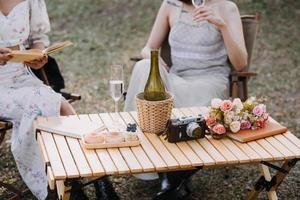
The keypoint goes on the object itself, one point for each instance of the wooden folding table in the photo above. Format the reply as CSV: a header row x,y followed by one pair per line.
x,y
66,159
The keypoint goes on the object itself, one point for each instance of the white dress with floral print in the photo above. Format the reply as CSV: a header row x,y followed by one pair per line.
x,y
22,96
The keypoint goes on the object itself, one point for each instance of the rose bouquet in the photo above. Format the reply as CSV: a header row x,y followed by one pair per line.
x,y
233,116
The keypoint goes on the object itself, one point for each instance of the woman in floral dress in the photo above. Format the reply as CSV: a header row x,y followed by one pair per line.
x,y
23,97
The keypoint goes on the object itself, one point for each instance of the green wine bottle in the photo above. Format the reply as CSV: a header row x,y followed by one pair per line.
x,y
154,89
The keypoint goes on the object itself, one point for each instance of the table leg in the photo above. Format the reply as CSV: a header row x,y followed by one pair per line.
x,y
266,172
62,190
271,184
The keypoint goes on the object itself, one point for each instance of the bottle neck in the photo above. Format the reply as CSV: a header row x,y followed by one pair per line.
x,y
154,62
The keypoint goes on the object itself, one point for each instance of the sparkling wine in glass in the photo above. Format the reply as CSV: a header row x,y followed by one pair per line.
x,y
198,3
116,84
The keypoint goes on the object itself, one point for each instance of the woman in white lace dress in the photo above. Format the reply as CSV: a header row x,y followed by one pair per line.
x,y
202,40
23,97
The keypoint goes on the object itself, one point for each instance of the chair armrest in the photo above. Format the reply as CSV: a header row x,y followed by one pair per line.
x,y
243,74
5,125
136,59
71,97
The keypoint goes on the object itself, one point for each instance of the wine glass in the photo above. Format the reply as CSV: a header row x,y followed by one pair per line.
x,y
116,83
198,3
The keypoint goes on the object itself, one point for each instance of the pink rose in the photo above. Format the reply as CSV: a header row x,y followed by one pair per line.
x,y
211,121
245,124
219,129
266,116
226,105
260,123
258,110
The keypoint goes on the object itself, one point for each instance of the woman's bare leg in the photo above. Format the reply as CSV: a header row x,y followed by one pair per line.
x,y
66,108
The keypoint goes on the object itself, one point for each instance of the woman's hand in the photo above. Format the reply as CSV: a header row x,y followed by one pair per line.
x,y
4,55
207,13
38,63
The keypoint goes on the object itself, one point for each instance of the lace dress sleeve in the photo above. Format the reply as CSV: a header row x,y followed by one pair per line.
x,y
39,22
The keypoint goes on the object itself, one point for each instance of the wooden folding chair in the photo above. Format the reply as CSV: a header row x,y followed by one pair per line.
x,y
238,80
6,125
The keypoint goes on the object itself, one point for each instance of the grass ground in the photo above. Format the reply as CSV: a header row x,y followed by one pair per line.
x,y
106,32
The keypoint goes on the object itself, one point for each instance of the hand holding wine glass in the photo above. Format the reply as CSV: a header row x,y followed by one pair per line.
x,y
116,83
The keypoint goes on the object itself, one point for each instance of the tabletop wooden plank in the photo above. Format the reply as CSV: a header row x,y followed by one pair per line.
x,y
182,160
42,147
224,151
242,157
202,154
288,144
281,148
186,149
91,155
126,152
115,153
292,138
138,151
66,156
76,151
207,144
54,158
159,146
152,154
197,148
103,154
269,148
248,151
265,156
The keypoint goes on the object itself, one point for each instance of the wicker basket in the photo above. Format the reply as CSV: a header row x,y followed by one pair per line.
x,y
153,115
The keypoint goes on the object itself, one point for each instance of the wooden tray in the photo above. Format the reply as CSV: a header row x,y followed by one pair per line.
x,y
110,145
272,128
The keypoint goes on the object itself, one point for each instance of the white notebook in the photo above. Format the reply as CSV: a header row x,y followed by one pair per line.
x,y
68,127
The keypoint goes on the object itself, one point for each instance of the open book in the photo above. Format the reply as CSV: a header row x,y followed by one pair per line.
x,y
33,54
67,126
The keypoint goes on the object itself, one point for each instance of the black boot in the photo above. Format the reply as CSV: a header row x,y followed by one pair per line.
x,y
77,192
105,190
175,185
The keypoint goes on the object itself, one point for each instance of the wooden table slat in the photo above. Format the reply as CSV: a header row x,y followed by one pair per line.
x,y
269,148
91,155
202,154
186,149
114,152
66,156
138,151
54,157
265,156
242,157
103,154
159,146
280,147
126,152
76,151
206,143
248,151
292,138
224,151
288,144
153,155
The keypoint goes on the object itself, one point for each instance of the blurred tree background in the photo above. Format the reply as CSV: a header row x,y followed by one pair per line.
x,y
111,31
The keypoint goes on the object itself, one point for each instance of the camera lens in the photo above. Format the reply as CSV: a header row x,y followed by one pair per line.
x,y
193,129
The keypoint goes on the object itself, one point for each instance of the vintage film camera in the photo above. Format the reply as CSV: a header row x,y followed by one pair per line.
x,y
186,128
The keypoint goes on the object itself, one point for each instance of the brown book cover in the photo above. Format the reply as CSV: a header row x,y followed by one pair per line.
x,y
33,54
271,128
